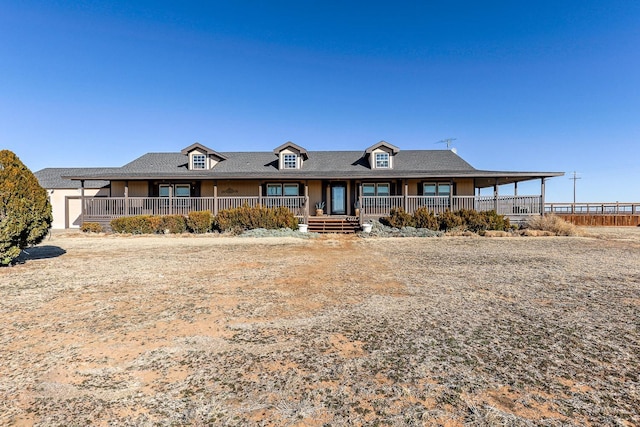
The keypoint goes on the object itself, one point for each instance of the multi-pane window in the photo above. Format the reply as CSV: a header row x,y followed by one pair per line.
x,y
178,190
274,189
382,160
199,161
282,190
289,161
380,189
436,189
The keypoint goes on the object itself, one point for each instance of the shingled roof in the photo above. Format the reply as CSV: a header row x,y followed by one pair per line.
x,y
319,165
52,178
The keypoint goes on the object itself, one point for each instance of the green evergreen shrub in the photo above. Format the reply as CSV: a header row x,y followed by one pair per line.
x,y
248,218
25,210
425,218
398,218
199,221
91,227
175,224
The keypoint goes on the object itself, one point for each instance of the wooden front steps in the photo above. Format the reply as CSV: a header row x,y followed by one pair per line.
x,y
329,224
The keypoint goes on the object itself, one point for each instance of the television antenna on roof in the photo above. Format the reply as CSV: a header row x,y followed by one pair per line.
x,y
447,141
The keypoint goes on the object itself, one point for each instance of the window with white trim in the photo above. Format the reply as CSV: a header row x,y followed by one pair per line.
x,y
274,189
283,189
183,190
289,161
177,190
290,189
376,189
382,160
436,189
164,190
199,161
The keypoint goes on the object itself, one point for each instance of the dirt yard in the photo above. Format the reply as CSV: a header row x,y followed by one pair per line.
x,y
450,331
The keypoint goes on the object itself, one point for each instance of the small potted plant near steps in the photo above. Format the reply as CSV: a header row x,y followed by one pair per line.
x,y
319,208
356,206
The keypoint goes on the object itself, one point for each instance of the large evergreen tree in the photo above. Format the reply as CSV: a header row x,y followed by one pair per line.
x,y
25,210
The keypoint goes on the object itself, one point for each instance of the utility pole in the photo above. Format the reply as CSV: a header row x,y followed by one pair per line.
x,y
575,177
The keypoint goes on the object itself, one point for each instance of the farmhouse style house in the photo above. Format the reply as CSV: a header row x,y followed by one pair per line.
x,y
360,184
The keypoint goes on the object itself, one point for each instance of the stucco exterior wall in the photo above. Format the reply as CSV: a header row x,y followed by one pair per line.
x,y
61,198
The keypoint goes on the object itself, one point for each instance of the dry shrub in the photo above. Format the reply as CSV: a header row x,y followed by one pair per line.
x,y
91,227
398,218
425,218
141,224
248,218
553,224
174,224
199,221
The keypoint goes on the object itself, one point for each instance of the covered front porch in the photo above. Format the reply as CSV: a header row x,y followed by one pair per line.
x,y
352,198
104,209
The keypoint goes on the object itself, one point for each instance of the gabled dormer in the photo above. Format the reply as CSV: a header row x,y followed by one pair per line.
x,y
201,157
290,156
381,155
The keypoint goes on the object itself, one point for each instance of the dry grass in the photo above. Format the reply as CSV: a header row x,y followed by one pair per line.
x,y
170,330
551,224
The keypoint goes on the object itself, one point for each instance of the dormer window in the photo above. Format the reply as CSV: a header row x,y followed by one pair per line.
x,y
382,160
290,156
199,161
289,161
381,155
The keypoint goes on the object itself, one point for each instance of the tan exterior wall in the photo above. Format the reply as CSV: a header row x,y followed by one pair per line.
x,y
206,189
315,195
464,187
61,197
413,186
117,188
136,189
238,188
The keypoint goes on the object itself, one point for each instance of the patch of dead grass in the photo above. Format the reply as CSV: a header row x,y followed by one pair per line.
x,y
165,330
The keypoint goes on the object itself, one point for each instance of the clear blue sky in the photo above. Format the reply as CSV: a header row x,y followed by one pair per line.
x,y
522,85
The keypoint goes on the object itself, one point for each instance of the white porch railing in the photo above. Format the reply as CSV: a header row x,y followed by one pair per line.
x,y
106,208
504,205
115,207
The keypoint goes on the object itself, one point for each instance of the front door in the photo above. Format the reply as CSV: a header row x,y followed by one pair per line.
x,y
338,198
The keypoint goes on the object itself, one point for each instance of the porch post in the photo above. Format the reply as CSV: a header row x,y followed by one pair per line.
x,y
82,208
542,196
495,196
260,193
126,198
451,194
306,202
405,191
170,199
515,188
361,218
215,198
